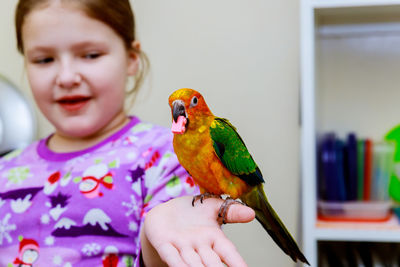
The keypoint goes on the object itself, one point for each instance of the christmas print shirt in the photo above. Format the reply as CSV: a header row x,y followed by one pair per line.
x,y
86,208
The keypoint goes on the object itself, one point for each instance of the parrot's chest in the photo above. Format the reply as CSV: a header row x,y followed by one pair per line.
x,y
193,151
196,154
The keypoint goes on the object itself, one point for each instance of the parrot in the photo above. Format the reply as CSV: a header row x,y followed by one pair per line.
x,y
216,157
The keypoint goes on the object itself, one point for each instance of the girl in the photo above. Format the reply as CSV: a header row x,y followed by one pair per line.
x,y
104,189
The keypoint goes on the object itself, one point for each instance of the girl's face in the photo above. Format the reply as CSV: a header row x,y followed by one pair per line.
x,y
77,69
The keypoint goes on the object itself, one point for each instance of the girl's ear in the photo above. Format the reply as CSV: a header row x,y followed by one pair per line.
x,y
133,58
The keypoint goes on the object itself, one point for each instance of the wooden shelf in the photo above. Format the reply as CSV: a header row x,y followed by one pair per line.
x,y
388,231
349,48
384,12
352,3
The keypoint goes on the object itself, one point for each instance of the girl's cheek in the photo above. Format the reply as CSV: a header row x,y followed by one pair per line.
x,y
40,76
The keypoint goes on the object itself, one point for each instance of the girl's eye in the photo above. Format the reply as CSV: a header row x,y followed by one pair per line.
x,y
194,101
44,60
91,55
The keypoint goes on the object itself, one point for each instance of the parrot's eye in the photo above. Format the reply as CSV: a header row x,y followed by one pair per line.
x,y
194,101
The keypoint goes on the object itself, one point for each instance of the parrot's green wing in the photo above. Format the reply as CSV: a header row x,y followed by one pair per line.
x,y
233,153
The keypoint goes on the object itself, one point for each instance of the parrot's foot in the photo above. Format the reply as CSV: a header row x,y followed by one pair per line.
x,y
204,196
223,210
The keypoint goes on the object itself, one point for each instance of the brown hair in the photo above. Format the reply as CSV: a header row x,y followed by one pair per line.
x,y
116,14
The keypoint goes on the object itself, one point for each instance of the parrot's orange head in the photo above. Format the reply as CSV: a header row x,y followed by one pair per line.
x,y
186,105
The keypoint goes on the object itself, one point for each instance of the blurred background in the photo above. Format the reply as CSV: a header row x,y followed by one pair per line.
x,y
243,56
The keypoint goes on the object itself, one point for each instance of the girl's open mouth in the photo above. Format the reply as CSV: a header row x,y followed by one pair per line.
x,y
73,103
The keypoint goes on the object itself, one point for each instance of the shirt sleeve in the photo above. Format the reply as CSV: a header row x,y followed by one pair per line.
x,y
164,180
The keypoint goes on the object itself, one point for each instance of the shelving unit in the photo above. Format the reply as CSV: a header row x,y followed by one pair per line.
x,y
350,81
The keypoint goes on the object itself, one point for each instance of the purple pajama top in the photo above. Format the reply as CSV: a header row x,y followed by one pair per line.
x,y
86,208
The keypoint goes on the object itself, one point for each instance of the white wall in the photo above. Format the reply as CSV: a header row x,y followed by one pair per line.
x,y
243,57
350,98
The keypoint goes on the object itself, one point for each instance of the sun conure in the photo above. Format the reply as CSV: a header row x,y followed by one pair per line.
x,y
214,154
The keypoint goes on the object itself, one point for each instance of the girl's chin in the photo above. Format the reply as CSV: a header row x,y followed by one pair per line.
x,y
87,126
77,130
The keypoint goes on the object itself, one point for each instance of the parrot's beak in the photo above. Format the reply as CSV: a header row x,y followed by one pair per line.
x,y
178,109
180,122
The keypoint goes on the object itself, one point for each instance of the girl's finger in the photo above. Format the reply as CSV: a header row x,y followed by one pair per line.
x,y
209,257
190,257
170,255
228,253
238,213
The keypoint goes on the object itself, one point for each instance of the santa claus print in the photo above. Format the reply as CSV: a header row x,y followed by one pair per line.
x,y
28,253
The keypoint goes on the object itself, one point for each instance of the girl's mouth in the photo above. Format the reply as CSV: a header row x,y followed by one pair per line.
x,y
73,103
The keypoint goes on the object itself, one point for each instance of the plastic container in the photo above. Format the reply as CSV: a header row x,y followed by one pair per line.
x,y
354,211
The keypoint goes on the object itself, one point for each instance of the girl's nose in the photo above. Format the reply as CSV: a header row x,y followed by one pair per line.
x,y
68,77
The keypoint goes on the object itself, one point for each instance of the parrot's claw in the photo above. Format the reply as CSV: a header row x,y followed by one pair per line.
x,y
223,210
203,196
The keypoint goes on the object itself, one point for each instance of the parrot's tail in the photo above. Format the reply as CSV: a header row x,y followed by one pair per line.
x,y
266,215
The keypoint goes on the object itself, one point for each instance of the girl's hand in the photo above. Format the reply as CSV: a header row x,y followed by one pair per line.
x,y
183,235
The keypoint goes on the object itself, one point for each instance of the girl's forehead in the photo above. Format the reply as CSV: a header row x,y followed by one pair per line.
x,y
52,15
58,6
57,13
63,26
60,3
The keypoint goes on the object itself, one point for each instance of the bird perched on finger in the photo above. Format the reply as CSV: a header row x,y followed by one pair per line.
x,y
214,154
